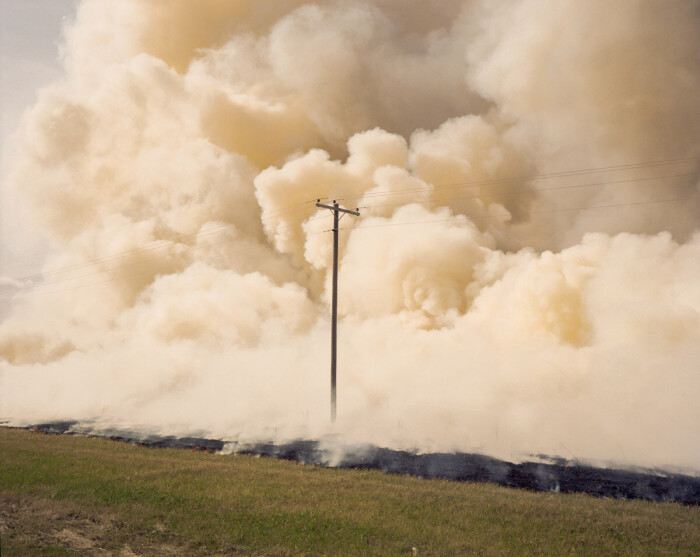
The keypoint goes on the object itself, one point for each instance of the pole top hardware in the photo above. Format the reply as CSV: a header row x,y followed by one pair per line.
x,y
332,208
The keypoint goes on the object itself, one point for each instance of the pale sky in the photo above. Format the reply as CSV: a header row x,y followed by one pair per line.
x,y
30,34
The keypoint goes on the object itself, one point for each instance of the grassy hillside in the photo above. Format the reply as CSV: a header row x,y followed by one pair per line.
x,y
69,495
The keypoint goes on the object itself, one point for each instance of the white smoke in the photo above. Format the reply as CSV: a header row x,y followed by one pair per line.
x,y
523,277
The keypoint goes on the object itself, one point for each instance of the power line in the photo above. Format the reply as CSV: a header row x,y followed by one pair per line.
x,y
154,245
630,204
119,267
535,190
32,290
112,279
456,218
99,262
527,178
180,240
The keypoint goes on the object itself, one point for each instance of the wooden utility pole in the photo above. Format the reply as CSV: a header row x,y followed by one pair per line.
x,y
336,210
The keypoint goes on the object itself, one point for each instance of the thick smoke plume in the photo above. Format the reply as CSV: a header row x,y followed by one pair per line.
x,y
524,276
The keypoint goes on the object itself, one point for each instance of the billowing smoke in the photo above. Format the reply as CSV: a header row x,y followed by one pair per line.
x,y
524,275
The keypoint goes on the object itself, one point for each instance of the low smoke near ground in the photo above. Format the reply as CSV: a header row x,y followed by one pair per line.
x,y
523,278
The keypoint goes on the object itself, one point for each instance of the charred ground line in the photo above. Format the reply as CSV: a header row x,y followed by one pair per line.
x,y
559,475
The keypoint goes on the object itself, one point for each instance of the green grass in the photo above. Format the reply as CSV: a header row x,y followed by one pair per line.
x,y
70,495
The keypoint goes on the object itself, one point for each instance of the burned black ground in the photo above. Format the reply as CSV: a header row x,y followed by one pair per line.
x,y
554,475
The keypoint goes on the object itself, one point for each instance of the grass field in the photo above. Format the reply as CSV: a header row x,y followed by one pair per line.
x,y
70,495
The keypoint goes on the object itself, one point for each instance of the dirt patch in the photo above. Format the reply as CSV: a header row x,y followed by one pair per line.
x,y
34,523
29,524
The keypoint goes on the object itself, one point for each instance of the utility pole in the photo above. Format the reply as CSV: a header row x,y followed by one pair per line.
x,y
336,210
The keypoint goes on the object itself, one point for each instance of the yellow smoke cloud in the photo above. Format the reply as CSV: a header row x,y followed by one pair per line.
x,y
523,277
